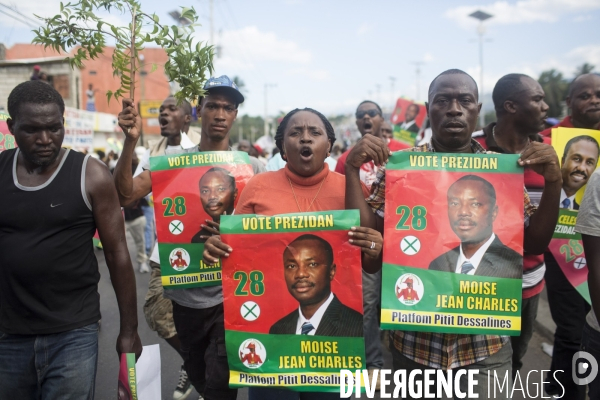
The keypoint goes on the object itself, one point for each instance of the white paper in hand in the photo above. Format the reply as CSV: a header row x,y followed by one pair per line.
x,y
148,373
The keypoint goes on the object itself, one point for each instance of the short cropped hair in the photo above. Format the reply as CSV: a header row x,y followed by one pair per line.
x,y
33,92
372,102
283,125
227,173
505,89
578,139
453,71
488,187
327,249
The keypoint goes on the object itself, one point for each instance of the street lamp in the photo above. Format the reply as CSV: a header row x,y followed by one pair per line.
x,y
182,21
267,86
481,16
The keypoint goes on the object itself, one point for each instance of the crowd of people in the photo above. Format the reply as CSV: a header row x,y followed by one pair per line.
x,y
53,200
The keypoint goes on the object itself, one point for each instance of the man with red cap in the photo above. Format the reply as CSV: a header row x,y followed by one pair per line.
x,y
251,358
408,292
36,73
178,262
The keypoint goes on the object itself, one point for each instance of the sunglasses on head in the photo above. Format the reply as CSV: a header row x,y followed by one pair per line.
x,y
372,113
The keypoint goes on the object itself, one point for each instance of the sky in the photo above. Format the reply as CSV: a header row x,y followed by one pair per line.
x,y
332,54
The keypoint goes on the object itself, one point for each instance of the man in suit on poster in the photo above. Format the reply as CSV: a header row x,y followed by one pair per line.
x,y
579,161
309,269
472,210
217,195
409,123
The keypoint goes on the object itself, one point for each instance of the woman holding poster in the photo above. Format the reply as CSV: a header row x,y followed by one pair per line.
x,y
305,138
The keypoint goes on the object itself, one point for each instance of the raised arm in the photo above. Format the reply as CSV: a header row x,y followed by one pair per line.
x,y
543,160
368,148
130,189
109,222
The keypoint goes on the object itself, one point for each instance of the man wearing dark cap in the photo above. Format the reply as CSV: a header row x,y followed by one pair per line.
x,y
197,312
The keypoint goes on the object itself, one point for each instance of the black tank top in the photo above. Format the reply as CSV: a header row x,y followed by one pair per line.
x,y
48,271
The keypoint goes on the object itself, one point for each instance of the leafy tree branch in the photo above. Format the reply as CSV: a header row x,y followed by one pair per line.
x,y
78,25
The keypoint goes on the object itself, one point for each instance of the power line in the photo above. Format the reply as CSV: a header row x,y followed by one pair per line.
x,y
241,40
15,10
24,22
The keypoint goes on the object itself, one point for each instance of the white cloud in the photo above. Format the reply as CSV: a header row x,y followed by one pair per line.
x,y
428,57
581,18
249,44
363,29
314,74
523,11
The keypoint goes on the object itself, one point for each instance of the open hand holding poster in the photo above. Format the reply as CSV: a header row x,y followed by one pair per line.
x,y
293,300
453,243
191,192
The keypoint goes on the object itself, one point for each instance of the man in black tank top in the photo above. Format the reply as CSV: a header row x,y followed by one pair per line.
x,y
52,202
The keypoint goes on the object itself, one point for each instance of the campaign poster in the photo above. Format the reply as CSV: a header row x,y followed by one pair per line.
x,y
127,384
79,129
189,189
408,118
292,290
567,248
7,140
579,156
453,248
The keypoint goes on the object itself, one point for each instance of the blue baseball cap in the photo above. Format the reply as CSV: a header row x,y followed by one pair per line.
x,y
224,83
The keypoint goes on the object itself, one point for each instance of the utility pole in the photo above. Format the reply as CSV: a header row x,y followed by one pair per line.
x,y
267,86
481,16
378,86
392,82
417,65
212,26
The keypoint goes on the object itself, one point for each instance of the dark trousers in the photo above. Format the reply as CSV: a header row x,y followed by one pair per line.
x,y
590,342
568,311
202,335
520,343
260,393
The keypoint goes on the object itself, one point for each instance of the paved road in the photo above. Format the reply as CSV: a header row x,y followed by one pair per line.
x,y
106,380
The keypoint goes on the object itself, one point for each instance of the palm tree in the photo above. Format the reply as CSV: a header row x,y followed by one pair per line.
x,y
584,68
555,87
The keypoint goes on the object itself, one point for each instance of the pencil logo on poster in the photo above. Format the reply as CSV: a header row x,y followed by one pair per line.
x,y
409,289
252,353
179,259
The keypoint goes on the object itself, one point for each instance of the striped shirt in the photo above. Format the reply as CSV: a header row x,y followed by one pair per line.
x,y
442,350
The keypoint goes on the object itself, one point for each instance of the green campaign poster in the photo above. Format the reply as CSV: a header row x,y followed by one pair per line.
x,y
292,290
189,189
453,243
